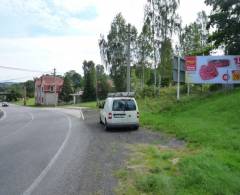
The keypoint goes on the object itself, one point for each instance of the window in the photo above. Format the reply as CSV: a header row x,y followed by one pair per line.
x,y
124,105
130,105
51,89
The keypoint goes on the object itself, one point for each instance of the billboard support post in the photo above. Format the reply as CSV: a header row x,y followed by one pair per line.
x,y
188,89
178,77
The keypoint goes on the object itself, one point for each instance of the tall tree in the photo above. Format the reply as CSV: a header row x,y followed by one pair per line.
x,y
164,20
89,81
190,39
75,78
166,62
224,20
30,86
67,90
103,86
115,49
144,49
193,39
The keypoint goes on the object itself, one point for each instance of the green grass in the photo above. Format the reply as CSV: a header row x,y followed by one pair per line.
x,y
29,102
92,105
210,164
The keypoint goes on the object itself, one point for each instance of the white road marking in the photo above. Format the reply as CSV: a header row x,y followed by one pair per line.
x,y
37,181
82,114
17,130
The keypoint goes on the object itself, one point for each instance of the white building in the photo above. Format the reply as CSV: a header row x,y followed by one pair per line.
x,y
47,89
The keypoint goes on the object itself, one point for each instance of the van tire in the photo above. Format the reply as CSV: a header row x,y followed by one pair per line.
x,y
106,125
100,120
136,128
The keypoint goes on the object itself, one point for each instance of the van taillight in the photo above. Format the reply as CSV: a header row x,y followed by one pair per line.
x,y
137,114
109,115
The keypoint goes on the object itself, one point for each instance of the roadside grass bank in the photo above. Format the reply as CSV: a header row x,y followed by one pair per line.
x,y
29,102
210,164
1,113
92,105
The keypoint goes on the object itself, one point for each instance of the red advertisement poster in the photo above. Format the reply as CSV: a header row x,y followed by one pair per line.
x,y
191,63
213,69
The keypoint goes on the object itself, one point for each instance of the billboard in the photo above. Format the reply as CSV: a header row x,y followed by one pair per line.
x,y
212,69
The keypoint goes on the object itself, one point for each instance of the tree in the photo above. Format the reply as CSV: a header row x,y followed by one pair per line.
x,y
103,86
13,95
193,39
190,39
89,81
115,50
75,78
67,89
30,86
16,91
144,49
166,66
224,20
164,21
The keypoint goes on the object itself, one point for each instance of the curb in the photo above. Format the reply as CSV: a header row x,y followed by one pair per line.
x,y
1,114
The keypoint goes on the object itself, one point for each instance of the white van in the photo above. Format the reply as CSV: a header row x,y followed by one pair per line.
x,y
120,110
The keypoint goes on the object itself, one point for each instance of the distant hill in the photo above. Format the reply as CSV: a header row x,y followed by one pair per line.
x,y
6,84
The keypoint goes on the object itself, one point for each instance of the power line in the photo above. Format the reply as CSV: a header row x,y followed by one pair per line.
x,y
22,69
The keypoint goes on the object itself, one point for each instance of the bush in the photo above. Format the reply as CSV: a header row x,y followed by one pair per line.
x,y
146,92
215,87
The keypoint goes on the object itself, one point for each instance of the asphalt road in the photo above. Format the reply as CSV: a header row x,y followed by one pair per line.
x,y
64,151
41,151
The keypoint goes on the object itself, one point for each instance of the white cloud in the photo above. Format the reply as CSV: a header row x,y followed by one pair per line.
x,y
189,9
45,53
79,38
74,5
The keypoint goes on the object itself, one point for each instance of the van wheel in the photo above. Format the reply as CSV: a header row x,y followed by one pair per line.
x,y
100,120
136,128
106,125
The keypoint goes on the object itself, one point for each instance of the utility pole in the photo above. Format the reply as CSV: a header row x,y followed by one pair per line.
x,y
178,79
96,73
128,62
24,95
154,49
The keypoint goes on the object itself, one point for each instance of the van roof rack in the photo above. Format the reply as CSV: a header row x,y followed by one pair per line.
x,y
122,94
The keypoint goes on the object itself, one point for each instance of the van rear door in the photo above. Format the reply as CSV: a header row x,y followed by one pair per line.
x,y
124,111
118,109
130,111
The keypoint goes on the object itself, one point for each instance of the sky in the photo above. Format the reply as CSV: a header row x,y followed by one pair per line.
x,y
43,34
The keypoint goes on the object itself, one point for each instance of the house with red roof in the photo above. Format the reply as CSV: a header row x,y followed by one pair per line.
x,y
47,89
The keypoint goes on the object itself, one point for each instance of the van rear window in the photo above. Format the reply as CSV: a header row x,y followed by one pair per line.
x,y
124,105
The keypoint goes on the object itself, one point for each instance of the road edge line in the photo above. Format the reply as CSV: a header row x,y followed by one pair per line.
x,y
82,114
37,181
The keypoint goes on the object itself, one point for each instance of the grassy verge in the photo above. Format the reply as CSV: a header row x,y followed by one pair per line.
x,y
92,105
29,102
210,164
